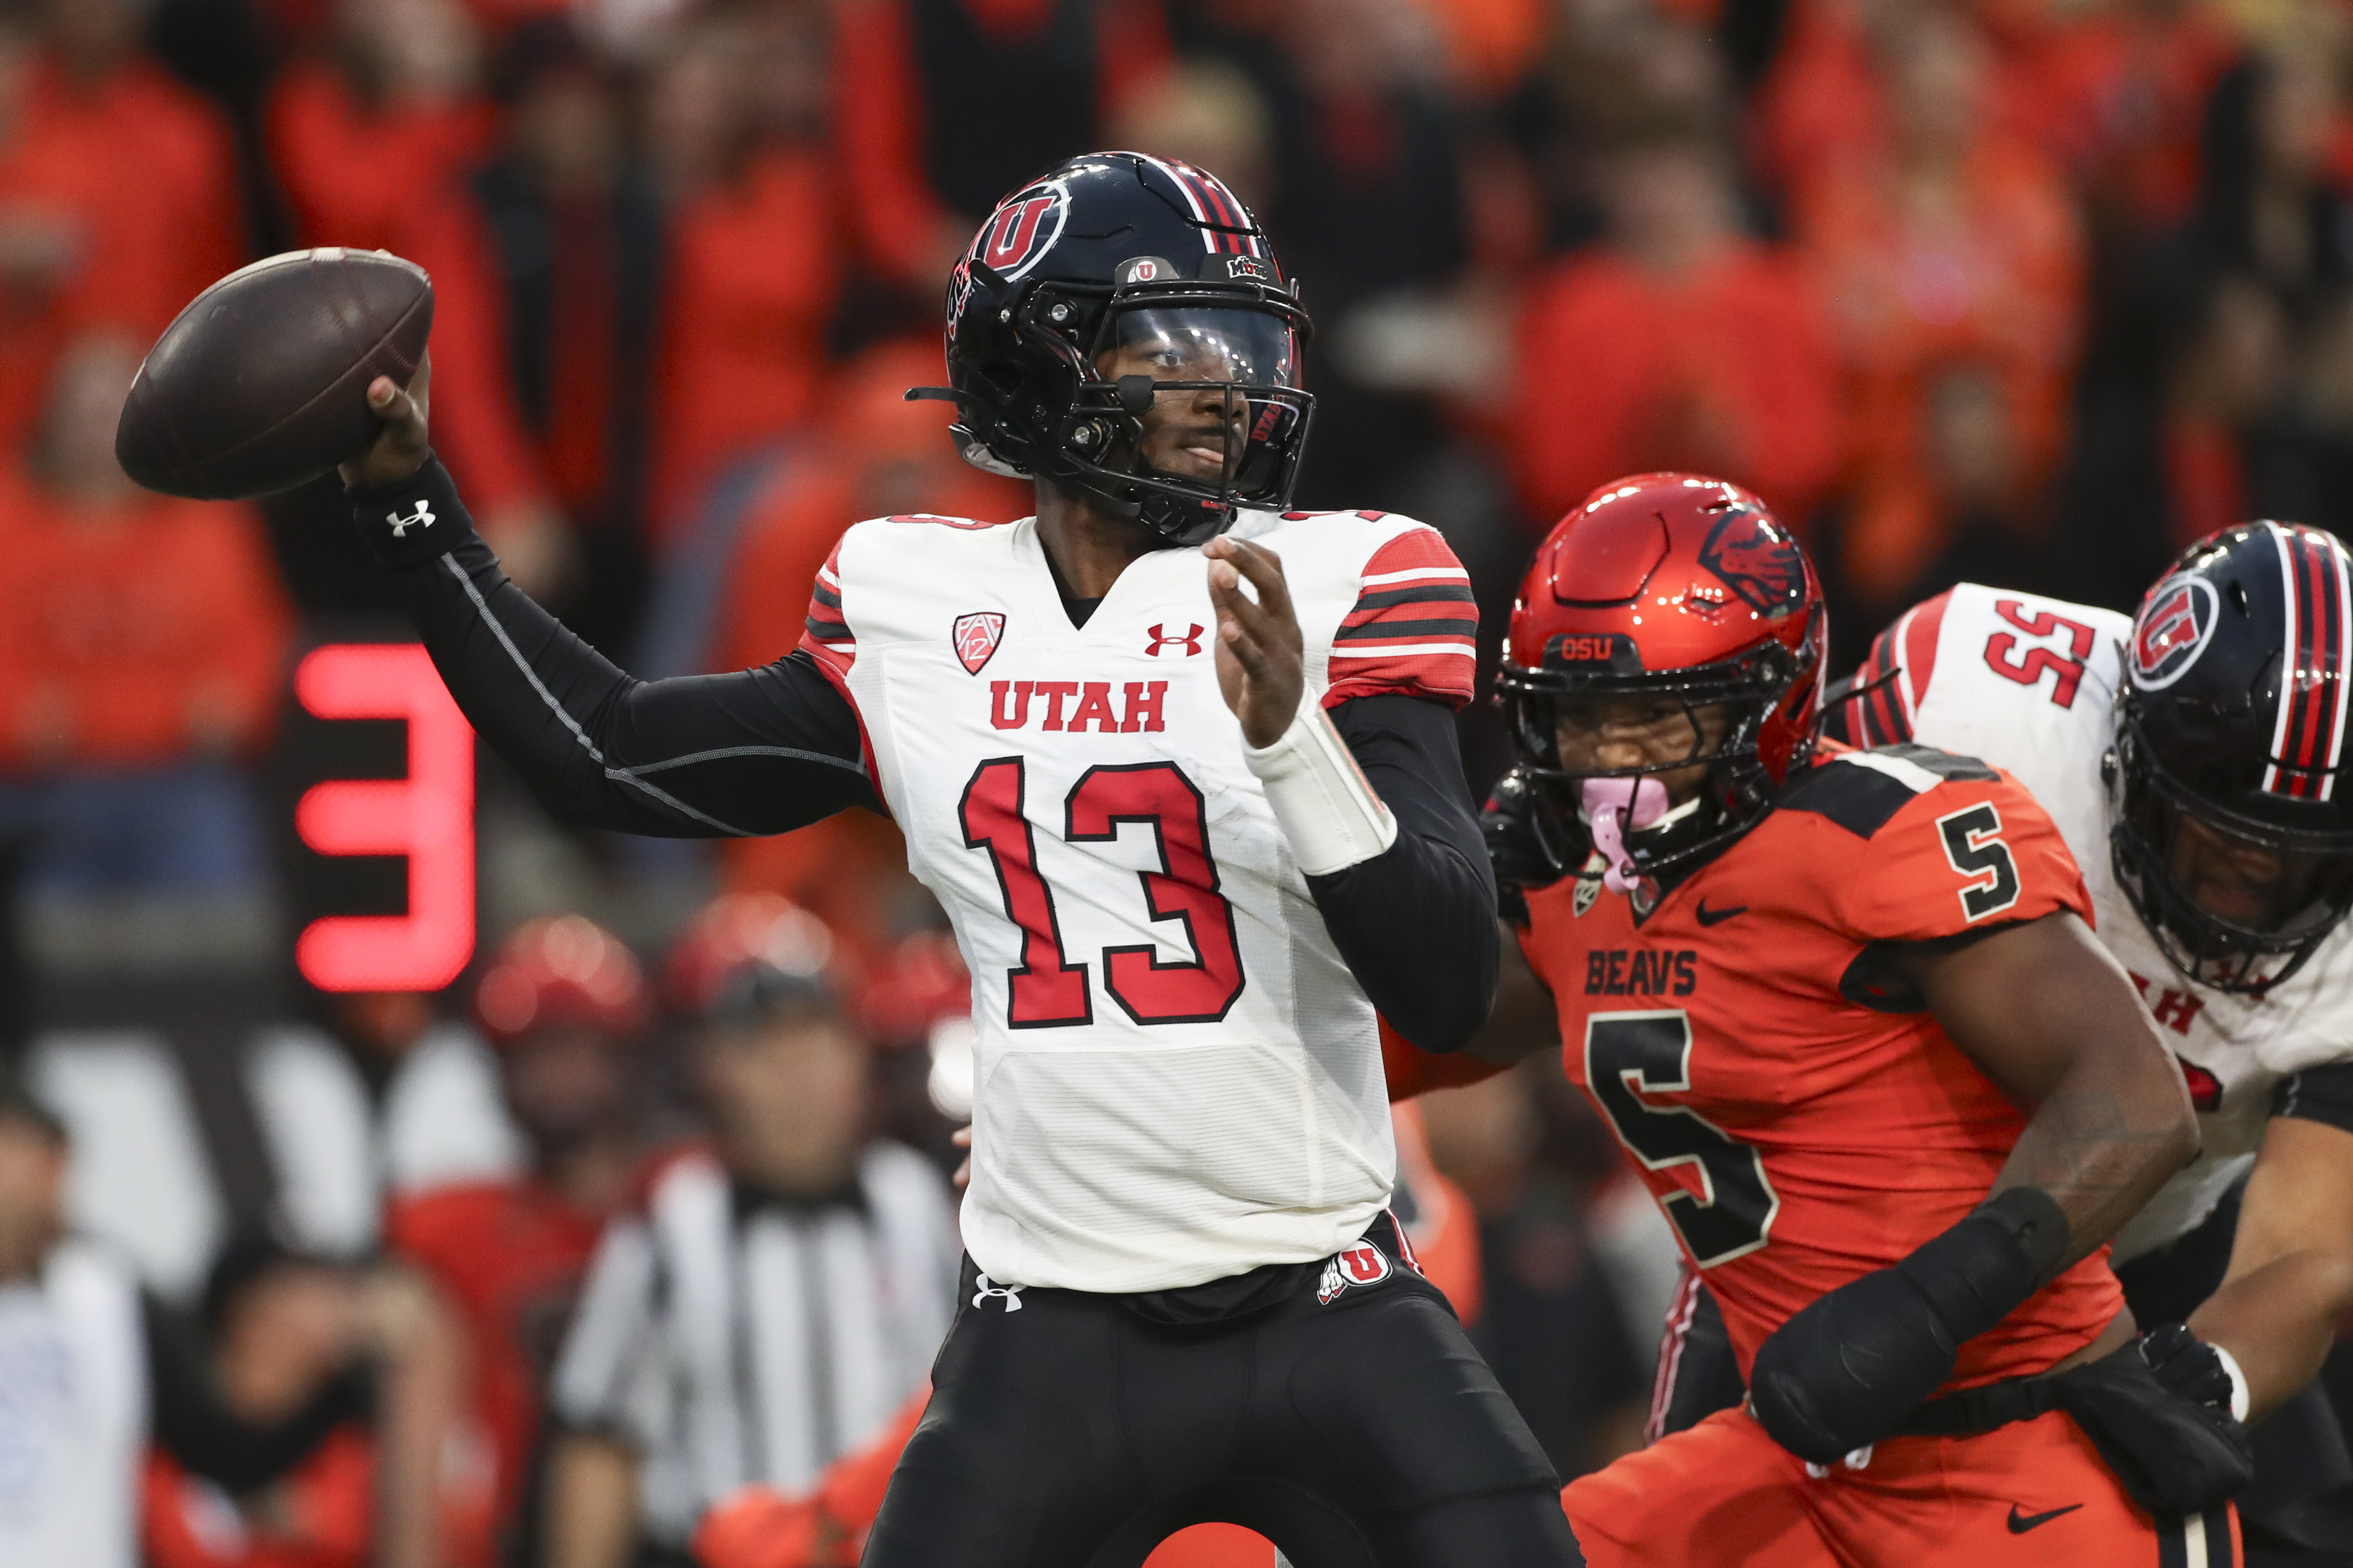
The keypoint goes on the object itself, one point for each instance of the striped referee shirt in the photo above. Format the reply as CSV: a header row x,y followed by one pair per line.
x,y
730,1339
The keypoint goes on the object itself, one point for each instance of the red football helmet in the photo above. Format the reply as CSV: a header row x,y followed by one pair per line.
x,y
557,970
744,946
1676,586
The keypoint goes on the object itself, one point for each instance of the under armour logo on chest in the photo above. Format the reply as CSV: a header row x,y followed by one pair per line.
x,y
1012,1294
1189,639
421,518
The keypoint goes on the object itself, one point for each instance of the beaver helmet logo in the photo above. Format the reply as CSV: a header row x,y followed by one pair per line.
x,y
1758,560
2171,630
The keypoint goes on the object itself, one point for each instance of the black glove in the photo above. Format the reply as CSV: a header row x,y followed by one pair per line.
x,y
1845,1371
1517,853
2159,1412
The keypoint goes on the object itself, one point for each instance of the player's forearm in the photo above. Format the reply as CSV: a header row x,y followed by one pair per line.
x,y
535,691
1416,923
2279,1321
2053,1020
2101,1143
713,756
2291,1278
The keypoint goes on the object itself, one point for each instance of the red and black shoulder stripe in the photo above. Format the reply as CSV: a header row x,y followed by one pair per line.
x,y
1414,628
1881,702
826,635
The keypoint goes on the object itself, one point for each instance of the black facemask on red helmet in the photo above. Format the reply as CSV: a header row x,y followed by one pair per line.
x,y
1677,594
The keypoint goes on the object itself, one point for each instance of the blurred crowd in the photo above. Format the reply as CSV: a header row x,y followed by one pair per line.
x,y
2021,291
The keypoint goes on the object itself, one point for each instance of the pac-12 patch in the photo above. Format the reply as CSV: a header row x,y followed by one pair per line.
x,y
975,637
1363,1264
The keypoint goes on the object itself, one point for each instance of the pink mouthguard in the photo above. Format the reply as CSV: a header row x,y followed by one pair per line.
x,y
1615,807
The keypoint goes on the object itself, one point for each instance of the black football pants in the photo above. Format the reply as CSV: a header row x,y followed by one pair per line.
x,y
1356,1429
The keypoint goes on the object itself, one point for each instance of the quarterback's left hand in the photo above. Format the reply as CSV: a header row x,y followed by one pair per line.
x,y
1261,665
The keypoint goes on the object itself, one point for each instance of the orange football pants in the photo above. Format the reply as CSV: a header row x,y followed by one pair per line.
x,y
2025,1495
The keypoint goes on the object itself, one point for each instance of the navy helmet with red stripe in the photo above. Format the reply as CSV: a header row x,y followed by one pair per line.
x,y
1148,260
2230,771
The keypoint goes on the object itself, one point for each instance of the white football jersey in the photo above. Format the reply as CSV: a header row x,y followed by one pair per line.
x,y
1176,1077
2030,685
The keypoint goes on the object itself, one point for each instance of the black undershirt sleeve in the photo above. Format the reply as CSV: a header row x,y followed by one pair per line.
x,y
191,1422
2324,1093
757,752
1417,922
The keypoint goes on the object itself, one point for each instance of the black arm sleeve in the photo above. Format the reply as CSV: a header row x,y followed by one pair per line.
x,y
763,751
2324,1093
1416,923
191,1423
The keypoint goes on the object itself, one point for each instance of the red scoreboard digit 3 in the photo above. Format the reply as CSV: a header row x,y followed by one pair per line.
x,y
424,816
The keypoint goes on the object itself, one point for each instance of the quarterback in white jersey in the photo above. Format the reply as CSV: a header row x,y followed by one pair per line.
x,y
2193,756
1197,822
1172,1053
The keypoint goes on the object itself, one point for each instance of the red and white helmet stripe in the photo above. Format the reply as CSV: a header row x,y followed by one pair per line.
x,y
2308,736
1229,226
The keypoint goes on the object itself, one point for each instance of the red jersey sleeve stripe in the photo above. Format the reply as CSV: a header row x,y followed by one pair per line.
x,y
1414,628
828,640
1922,626
1874,716
826,635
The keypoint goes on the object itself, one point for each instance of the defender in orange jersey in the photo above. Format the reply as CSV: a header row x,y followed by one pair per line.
x,y
1843,1010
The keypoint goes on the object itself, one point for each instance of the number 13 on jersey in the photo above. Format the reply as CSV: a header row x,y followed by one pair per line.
x,y
1046,990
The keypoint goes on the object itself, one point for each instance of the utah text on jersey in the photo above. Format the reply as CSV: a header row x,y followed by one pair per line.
x,y
2029,684
1176,1076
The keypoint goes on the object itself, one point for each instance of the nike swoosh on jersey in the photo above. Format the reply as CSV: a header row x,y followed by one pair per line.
x,y
1708,917
2020,1523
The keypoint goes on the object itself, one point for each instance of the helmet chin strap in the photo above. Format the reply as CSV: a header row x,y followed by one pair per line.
x,y
1613,807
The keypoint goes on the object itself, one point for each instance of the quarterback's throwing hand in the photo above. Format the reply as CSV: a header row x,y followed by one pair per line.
x,y
402,445
1261,668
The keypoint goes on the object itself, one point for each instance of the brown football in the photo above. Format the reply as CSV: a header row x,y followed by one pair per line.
x,y
261,384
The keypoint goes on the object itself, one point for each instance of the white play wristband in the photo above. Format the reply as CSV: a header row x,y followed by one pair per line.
x,y
1325,807
2239,1399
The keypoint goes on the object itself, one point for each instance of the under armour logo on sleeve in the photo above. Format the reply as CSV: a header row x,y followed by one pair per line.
x,y
1012,1294
421,518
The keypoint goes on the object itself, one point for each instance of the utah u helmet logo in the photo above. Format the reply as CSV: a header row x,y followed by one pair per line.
x,y
1019,233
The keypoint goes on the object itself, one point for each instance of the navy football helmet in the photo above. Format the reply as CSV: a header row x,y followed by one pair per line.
x,y
1122,260
2229,776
